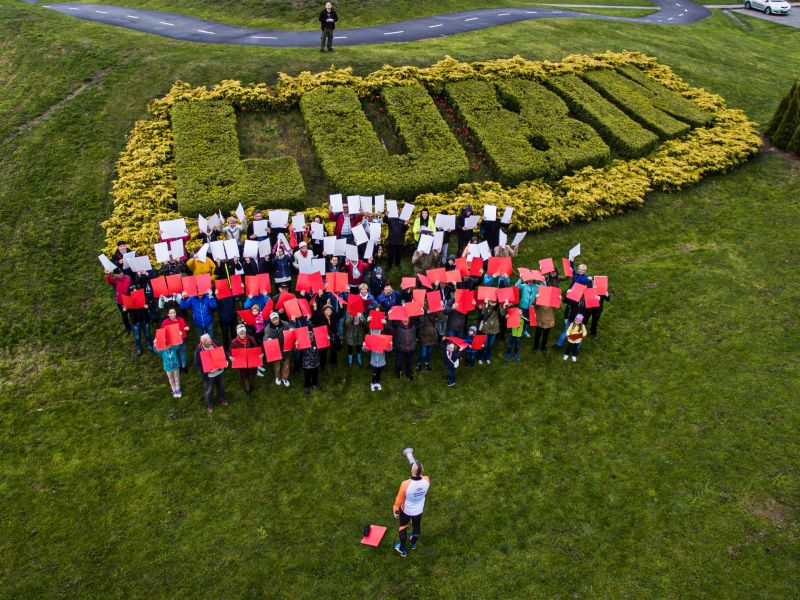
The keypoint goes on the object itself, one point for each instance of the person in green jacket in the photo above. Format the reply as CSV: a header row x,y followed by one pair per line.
x,y
355,330
490,325
423,224
527,294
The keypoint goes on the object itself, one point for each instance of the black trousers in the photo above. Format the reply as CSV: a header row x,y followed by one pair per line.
x,y
416,522
393,257
592,319
326,37
310,377
228,333
402,360
376,374
540,334
209,384
327,353
125,320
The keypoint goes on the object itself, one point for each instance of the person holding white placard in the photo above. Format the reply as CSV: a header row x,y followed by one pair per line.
x,y
121,284
234,230
263,228
122,250
201,267
317,244
423,224
464,232
396,239
344,223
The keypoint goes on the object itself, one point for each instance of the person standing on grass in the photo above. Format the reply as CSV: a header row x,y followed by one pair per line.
x,y
395,240
490,326
212,379
245,340
172,367
121,284
310,359
576,333
174,319
327,19
408,506
451,356
201,311
404,343
275,331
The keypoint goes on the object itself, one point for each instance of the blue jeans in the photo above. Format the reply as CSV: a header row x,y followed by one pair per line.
x,y
513,345
139,329
451,375
181,351
470,356
454,333
209,329
487,348
563,337
425,355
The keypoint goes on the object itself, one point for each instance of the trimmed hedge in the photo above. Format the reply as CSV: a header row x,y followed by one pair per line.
x,y
623,134
622,92
572,143
784,127
666,99
210,173
353,158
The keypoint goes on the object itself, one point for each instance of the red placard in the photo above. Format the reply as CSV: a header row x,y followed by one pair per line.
x,y
508,294
309,282
462,266
465,301
355,304
499,265
336,282
247,316
292,309
302,336
546,265
398,313
601,285
532,316
453,276
239,358
478,341
376,320
435,302
282,298
591,298
189,286
476,267
376,342
513,318
203,283
288,340
168,336
237,288
575,292
565,264
272,349
223,289
305,309
423,279
548,296
321,337
436,275
486,293
418,296
408,283
254,358
159,285
251,285
174,284
530,274
213,359
458,342
413,309
134,301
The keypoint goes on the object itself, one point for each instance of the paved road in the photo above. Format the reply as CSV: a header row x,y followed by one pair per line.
x,y
792,19
180,27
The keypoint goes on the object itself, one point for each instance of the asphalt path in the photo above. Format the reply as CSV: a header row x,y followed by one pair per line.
x,y
192,29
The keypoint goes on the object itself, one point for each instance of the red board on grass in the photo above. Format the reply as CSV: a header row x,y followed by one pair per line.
x,y
575,292
458,342
355,304
190,286
213,359
548,296
453,276
288,340
302,336
435,275
486,293
398,313
435,302
376,319
532,316
174,284
567,267
272,349
465,301
478,341
476,267
376,342
375,535
591,298
336,282
413,309
546,265
321,337
601,285
508,294
499,265
134,301
408,283
247,316
159,285
513,318
423,279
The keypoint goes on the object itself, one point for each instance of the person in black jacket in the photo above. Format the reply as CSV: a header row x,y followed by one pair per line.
x,y
404,343
395,241
327,19
464,235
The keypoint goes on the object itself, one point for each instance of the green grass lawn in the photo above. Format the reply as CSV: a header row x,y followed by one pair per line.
x,y
662,465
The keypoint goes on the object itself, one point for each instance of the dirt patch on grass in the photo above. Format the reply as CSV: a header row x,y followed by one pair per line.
x,y
766,509
792,159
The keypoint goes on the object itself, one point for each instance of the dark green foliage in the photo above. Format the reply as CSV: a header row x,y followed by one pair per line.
x,y
211,175
624,135
354,159
790,121
624,93
665,99
776,119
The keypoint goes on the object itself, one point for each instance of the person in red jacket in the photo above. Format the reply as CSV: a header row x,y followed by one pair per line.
x,y
245,340
356,271
344,223
121,284
173,319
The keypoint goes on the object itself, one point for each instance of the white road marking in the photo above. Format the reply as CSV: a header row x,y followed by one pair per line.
x,y
472,19
264,37
432,26
70,8
101,12
339,37
132,16
393,32
208,32
165,23
670,19
676,4
503,14
531,12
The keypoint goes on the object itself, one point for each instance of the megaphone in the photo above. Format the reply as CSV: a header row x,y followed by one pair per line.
x,y
409,454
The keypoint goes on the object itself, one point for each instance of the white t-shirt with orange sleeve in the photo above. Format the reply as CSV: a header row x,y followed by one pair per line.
x,y
411,495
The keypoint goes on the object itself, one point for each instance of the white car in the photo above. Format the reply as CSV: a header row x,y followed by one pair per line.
x,y
770,7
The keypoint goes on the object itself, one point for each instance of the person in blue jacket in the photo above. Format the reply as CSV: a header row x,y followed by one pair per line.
x,y
388,298
282,264
201,312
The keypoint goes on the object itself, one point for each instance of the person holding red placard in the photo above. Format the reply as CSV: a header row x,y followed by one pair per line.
x,y
491,314
121,284
201,267
140,322
527,293
212,379
174,319
241,341
311,361
388,298
428,338
470,354
171,362
326,317
545,315
576,333
377,360
451,356
201,311
355,329
514,340
404,343
275,330
593,314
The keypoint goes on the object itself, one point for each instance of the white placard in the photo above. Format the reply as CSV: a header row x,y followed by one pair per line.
x,y
162,251
502,238
282,241
366,204
380,204
359,235
176,249
518,238
473,251
279,219
408,210
240,213
438,240
217,250
202,224
140,263
445,222
336,203
202,253
375,232
250,249
471,223
575,251
341,247
369,250
305,265
329,245
299,222
260,228
489,212
391,209
264,248
484,250
317,231
214,221
107,264
425,244
126,259
174,228
507,215
351,252
231,248
353,205
319,265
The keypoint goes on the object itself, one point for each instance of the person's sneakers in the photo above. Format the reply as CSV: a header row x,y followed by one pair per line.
x,y
488,361
526,334
260,373
448,385
516,356
372,387
428,367
138,352
285,382
412,543
535,350
400,550
544,351
224,403
574,359
380,387
306,390
210,409
566,356
480,362
508,356
419,367
277,381
175,395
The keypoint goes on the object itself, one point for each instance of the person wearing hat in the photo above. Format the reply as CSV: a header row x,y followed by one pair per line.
x,y
576,333
303,256
275,330
119,253
376,282
245,340
121,284
470,354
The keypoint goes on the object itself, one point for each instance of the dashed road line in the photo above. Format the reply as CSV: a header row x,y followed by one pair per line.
x,y
472,19
393,32
437,25
101,12
132,16
165,23
264,37
208,32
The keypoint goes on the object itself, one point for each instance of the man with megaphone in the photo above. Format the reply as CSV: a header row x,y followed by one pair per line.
x,y
409,504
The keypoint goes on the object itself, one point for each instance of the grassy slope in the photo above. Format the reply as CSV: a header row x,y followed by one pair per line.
x,y
664,465
283,14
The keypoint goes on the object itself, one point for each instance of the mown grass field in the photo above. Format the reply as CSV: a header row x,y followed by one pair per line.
x,y
664,464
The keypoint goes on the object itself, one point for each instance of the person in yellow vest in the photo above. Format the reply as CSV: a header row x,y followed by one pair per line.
x,y
576,332
199,267
408,507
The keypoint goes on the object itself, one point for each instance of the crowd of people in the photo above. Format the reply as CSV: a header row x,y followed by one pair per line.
x,y
304,309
